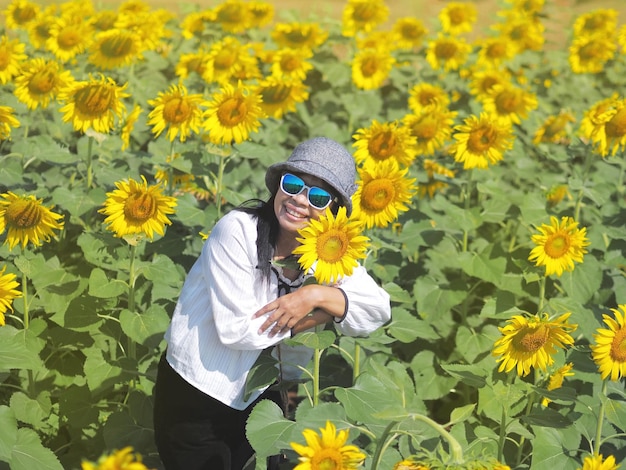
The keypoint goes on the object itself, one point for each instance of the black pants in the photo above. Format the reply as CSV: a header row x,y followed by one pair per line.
x,y
193,431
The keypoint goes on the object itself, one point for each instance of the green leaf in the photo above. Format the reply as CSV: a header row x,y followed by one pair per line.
x,y
487,265
31,411
120,430
8,432
398,294
314,340
101,287
546,417
406,328
99,372
551,447
466,374
263,373
76,405
476,343
76,202
432,383
267,429
29,454
19,349
461,414
145,328
584,281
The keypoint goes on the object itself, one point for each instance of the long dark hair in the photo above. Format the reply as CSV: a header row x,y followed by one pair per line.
x,y
267,231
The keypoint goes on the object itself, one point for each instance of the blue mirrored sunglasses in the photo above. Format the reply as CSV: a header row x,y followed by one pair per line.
x,y
294,185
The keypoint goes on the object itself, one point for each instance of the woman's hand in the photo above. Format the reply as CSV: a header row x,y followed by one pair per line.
x,y
286,311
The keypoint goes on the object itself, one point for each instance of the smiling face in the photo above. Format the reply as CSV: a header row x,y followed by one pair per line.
x,y
294,212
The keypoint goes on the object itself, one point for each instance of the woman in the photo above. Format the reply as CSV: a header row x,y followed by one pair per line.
x,y
237,301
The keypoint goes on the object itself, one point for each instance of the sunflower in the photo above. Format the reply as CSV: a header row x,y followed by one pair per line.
x,y
327,450
114,48
280,96
554,129
509,103
425,94
409,464
40,82
233,114
595,116
493,52
331,246
430,128
556,194
481,141
20,13
291,63
447,52
39,28
225,59
181,181
93,103
135,208
409,32
531,342
8,292
68,37
233,15
25,220
376,40
597,462
523,32
103,20
11,55
177,111
434,184
621,38
608,126
195,24
299,35
128,126
363,16
556,379
588,54
384,190
7,121
149,26
261,13
559,245
119,459
609,350
371,67
383,141
457,18
600,22
193,62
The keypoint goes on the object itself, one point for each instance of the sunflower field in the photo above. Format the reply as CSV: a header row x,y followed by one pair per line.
x,y
491,192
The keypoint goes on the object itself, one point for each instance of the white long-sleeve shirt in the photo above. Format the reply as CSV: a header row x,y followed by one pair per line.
x,y
213,341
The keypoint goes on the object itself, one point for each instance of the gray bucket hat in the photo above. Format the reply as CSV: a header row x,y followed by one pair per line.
x,y
321,157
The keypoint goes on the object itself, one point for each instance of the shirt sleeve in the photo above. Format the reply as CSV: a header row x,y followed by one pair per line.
x,y
232,280
369,306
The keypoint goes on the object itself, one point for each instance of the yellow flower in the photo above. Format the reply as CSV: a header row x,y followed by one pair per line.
x,y
8,292
327,450
371,67
193,62
524,33
291,63
119,460
261,13
481,141
177,111
383,191
196,23
331,245
409,31
148,25
114,48
136,208
559,245
494,51
595,116
226,59
233,15
39,28
608,126
299,35
383,141
20,13
458,17
104,20
363,16
554,129
531,342
25,220
94,103
128,126
410,465
69,36
556,194
482,81
621,39
556,379
280,96
433,184
11,56
609,350
588,54
7,121
233,114
597,462
601,22
509,103
447,53
40,82
430,128
425,94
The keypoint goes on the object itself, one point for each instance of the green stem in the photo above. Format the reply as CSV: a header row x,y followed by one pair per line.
x,y
542,294
219,184
502,437
170,171
598,440
356,368
131,296
467,202
378,453
89,162
25,299
317,354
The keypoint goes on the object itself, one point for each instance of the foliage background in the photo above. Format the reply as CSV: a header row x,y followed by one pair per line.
x,y
70,391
